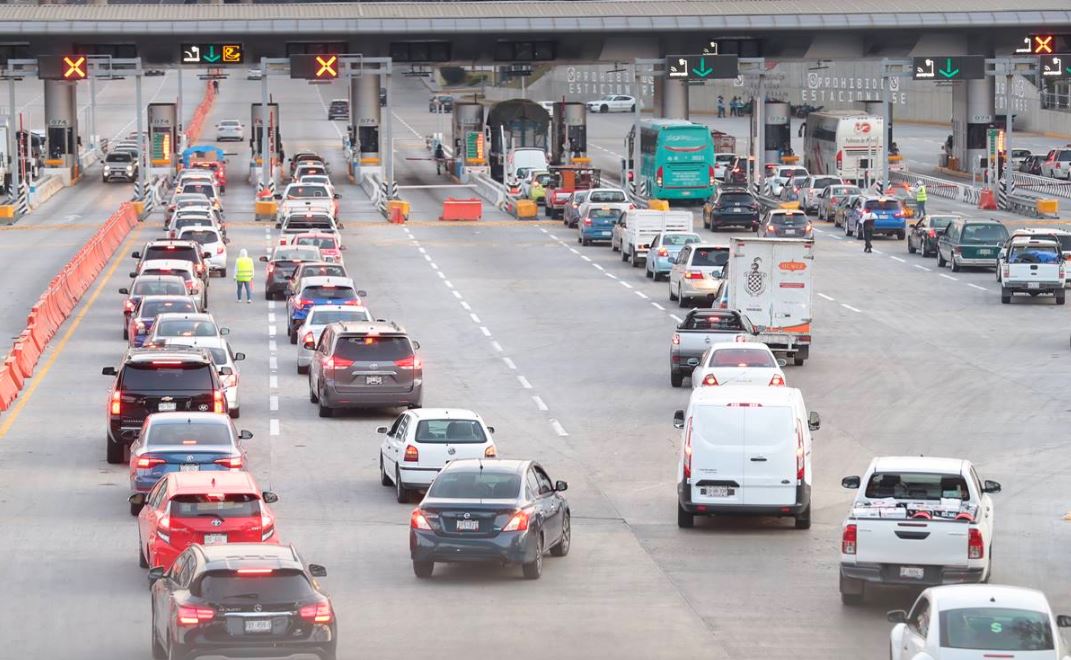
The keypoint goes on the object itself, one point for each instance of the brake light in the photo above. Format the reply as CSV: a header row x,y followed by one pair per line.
x,y
658,177
693,275
217,401
128,305
663,252
688,450
117,402
309,337
411,362
840,159
1005,270
219,250
587,221
630,175
418,521
975,546
267,526
254,571
518,523
958,249
848,540
233,462
189,286
777,379
710,380
352,301
317,612
189,615
676,339
412,454
337,363
800,454
933,233
304,302
144,463
771,229
490,452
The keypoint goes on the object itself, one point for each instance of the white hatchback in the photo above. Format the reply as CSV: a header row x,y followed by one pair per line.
x,y
421,442
738,363
211,239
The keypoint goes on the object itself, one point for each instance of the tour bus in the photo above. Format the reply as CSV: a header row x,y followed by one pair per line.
x,y
845,143
676,159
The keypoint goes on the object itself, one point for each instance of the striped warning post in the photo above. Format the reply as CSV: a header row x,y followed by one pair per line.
x,y
138,192
22,200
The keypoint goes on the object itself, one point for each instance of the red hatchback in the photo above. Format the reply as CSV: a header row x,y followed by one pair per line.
x,y
201,507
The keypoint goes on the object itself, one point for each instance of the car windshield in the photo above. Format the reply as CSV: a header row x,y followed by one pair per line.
x,y
184,274
735,199
325,242
150,308
223,505
995,629
984,234
373,349
158,288
305,192
230,123
742,357
329,292
724,158
476,485
1039,254
185,328
119,157
202,236
279,586
203,188
168,376
606,196
713,322
323,270
882,205
298,253
917,486
716,257
188,433
447,431
679,239
326,316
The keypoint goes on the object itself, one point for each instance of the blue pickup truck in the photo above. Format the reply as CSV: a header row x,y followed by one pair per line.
x,y
888,217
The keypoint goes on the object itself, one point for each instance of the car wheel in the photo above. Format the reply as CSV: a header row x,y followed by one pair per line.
x,y
633,260
672,296
562,547
681,300
135,509
423,569
312,394
798,361
851,598
632,108
303,370
900,235
604,108
1060,297
1005,296
676,379
142,561
846,232
910,247
648,274
803,520
126,332
235,413
585,241
384,480
401,493
940,259
158,651
533,569
685,520
114,451
324,411
292,334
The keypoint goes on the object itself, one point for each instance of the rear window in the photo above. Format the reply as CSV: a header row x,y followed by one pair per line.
x,y
203,188
735,199
476,485
455,431
184,252
373,349
604,214
940,222
984,234
995,629
184,274
824,182
789,173
1047,254
183,432
215,506
300,253
150,308
328,316
882,205
788,219
333,270
710,257
679,239
742,357
917,486
713,322
1063,156
157,288
325,242
329,292
281,586
184,328
606,196
201,236
167,375
295,192
844,190
724,158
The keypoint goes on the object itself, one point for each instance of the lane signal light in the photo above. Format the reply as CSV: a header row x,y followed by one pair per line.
x,y
74,67
328,66
1043,44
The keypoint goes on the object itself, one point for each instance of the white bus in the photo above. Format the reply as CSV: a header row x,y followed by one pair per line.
x,y
845,143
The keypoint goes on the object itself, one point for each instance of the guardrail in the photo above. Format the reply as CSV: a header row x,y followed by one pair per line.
x,y
1042,184
43,190
489,189
957,192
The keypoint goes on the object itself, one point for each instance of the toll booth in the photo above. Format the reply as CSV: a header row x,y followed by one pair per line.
x,y
467,138
569,133
513,124
778,127
61,123
163,137
366,123
265,135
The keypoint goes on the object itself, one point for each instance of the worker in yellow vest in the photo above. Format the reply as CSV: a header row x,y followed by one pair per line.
x,y
243,275
920,199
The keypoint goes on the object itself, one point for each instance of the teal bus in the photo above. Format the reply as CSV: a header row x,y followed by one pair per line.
x,y
676,159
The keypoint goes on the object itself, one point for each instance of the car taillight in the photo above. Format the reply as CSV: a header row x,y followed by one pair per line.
x,y
145,463
518,523
217,401
490,452
777,379
693,275
688,450
267,526
663,252
308,338
840,159
189,615
676,339
232,462
658,177
219,250
807,228
709,380
412,454
932,233
771,229
418,520
848,539
336,363
898,215
958,249
630,175
117,402
270,269
411,362
189,286
128,305
587,221
317,612
713,180
352,301
304,302
975,546
801,465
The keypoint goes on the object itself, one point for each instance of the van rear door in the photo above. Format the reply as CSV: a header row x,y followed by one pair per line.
x,y
769,461
717,436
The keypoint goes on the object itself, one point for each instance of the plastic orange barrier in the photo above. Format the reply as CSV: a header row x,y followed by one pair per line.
x,y
9,391
461,209
12,373
987,200
193,128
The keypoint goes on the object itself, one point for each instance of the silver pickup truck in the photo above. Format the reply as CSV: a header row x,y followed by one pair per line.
x,y
695,334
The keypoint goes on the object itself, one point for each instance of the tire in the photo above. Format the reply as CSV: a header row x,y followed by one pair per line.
x,y
681,300
648,274
604,108
114,451
135,509
676,379
292,334
401,493
798,361
302,370
1060,297
126,332
324,411
940,259
384,480
1005,296
634,261
142,561
533,569
313,398
911,248
852,591
685,520
235,413
158,651
900,235
803,520
671,294
423,569
585,241
561,548
846,232
632,108
955,266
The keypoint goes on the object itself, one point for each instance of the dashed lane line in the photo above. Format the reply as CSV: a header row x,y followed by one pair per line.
x,y
920,267
849,307
539,403
829,298
948,277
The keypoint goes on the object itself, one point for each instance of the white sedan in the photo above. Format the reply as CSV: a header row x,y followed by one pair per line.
x,y
965,622
421,442
613,103
230,129
738,363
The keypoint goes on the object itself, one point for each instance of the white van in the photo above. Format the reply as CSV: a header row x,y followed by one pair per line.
x,y
636,228
745,450
532,158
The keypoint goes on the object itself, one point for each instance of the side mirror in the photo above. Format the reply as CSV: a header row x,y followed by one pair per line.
x,y
245,435
758,329
206,255
226,371
224,331
125,291
1063,621
338,196
316,570
678,419
851,483
343,248
136,255
896,616
416,346
491,429
137,499
990,486
341,226
814,422
264,259
269,497
381,429
238,357
226,241
155,574
109,371
133,274
561,486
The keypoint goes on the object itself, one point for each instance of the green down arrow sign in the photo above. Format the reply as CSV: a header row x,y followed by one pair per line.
x,y
211,55
702,70
948,71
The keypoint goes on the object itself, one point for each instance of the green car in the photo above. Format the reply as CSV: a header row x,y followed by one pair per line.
x,y
971,243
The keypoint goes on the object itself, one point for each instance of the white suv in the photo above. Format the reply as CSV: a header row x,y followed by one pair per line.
x,y
213,243
421,442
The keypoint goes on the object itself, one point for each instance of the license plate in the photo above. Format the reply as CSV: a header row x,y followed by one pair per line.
x,y
912,572
716,491
985,252
166,406
258,626
604,233
373,380
468,525
190,468
790,232
213,539
1033,285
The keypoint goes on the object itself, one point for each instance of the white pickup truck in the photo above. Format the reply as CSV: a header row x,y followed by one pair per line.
x,y
916,521
306,198
636,228
1033,266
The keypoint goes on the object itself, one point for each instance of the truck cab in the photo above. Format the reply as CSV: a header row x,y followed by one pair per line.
x,y
567,180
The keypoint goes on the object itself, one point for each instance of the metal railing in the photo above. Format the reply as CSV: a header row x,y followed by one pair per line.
x,y
957,192
1042,185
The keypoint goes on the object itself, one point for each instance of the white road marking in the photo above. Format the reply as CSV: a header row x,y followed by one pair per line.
x,y
948,277
457,294
558,428
657,306
434,266
625,284
509,363
440,274
422,251
573,250
273,346
271,304
273,363
448,284
610,275
273,427
585,257
980,288
676,318
475,319
641,294
877,251
539,403
467,307
485,331
427,258
829,298
598,266
921,267
271,330
271,317
542,230
273,402
273,382
497,346
836,237
524,382
847,306
898,259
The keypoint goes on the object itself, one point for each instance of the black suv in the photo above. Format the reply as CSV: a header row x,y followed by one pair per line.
x,y
731,207
150,380
339,109
241,599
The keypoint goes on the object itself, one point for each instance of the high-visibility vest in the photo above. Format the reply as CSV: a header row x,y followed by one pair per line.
x,y
920,195
243,269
